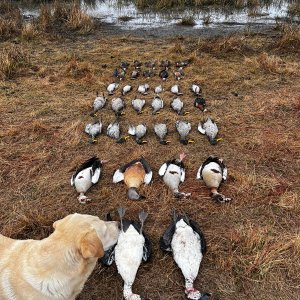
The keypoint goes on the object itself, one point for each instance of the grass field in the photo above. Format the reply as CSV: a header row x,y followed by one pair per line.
x,y
252,87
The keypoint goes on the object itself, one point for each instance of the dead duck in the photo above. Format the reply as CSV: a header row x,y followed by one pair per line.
x,y
137,64
148,73
119,73
177,106
133,247
200,103
124,65
158,89
184,128
157,104
113,131
210,129
138,105
93,129
165,64
173,173
164,74
187,243
117,105
196,89
175,89
126,89
112,87
134,174
143,89
150,64
179,74
183,63
98,103
213,172
161,131
135,74
85,177
138,132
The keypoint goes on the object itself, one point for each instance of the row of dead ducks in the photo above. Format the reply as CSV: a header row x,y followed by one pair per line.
x,y
183,237
207,127
165,65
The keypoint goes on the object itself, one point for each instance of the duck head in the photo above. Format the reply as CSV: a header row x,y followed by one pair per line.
x,y
134,195
212,141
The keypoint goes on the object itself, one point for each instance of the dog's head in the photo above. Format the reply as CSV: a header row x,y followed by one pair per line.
x,y
91,235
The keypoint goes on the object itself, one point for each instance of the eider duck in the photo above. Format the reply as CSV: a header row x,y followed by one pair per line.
x,y
138,105
113,131
161,131
124,65
93,129
179,74
134,174
175,89
200,103
213,172
165,64
182,64
112,87
177,106
187,243
150,64
98,103
139,132
196,89
158,89
148,73
135,74
119,73
184,128
157,104
164,74
143,88
85,176
126,89
132,248
117,105
210,129
137,64
173,173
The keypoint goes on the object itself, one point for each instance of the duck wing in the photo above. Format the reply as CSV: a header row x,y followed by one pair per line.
x,y
146,166
197,229
166,239
147,249
163,168
119,173
109,256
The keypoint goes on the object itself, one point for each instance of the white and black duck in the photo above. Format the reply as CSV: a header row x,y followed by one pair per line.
x,y
124,65
112,87
86,176
132,248
93,129
175,89
200,103
196,89
177,106
113,131
138,132
150,64
173,173
187,243
184,128
157,104
210,129
137,64
158,89
98,103
117,105
138,105
126,89
135,74
143,88
213,172
164,74
161,131
133,174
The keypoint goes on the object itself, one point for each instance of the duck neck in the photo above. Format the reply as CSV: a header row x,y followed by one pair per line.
x,y
189,285
127,291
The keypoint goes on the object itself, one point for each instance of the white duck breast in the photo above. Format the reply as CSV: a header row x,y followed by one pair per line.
x,y
183,129
161,131
138,105
113,130
117,104
93,129
85,176
210,129
176,90
158,89
177,105
196,89
172,175
99,103
138,131
212,175
126,89
157,104
111,88
143,89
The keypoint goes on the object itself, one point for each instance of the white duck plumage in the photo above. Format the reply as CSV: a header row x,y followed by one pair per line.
x,y
126,89
158,89
138,105
173,173
143,88
113,131
210,129
184,128
85,176
213,172
112,87
187,243
132,248
175,89
139,132
93,129
196,89
117,105
177,105
161,131
157,104
99,102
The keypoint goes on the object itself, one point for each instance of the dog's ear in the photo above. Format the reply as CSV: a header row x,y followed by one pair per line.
x,y
91,245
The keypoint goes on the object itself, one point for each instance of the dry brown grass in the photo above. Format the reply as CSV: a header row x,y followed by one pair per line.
x,y
290,38
253,242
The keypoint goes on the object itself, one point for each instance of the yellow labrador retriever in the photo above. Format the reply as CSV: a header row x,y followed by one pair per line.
x,y
57,266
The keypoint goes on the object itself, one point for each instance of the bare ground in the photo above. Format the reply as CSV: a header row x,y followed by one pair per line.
x,y
253,242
